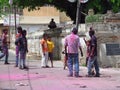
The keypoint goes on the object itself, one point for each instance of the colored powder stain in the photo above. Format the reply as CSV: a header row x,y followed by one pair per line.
x,y
19,76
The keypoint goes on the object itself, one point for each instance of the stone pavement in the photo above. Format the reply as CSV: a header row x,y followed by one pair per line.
x,y
37,78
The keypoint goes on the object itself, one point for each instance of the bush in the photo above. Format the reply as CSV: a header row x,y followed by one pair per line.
x,y
94,18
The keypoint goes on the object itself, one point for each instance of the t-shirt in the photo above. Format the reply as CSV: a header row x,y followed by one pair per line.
x,y
93,44
22,43
72,42
50,46
4,40
44,45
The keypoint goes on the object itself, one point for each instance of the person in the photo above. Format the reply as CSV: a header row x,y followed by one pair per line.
x,y
88,50
52,24
1,43
5,46
44,45
72,43
93,54
65,59
18,35
22,41
88,54
50,50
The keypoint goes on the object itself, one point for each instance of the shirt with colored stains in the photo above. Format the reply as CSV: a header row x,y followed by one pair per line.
x,y
73,43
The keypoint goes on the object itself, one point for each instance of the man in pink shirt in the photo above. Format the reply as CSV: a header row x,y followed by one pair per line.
x,y
72,43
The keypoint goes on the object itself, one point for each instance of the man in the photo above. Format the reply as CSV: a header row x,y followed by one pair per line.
x,y
22,41
44,45
50,50
93,54
5,46
72,44
18,35
52,24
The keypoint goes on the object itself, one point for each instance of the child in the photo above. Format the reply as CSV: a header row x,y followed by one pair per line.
x,y
65,59
88,54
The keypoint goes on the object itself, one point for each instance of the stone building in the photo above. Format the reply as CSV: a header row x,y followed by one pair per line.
x,y
108,35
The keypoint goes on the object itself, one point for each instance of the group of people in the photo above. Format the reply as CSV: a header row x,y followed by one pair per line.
x,y
47,50
72,46
21,48
72,43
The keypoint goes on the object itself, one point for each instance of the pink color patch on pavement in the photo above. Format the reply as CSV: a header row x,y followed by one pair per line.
x,y
20,76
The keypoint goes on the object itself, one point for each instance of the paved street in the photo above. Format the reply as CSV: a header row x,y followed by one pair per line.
x,y
37,78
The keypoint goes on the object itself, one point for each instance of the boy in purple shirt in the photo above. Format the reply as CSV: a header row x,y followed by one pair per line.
x,y
72,43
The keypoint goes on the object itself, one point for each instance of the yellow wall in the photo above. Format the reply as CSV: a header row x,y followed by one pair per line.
x,y
44,11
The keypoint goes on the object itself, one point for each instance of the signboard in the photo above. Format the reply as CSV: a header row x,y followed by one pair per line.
x,y
9,20
112,49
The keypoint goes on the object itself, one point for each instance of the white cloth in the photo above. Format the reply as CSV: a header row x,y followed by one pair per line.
x,y
44,61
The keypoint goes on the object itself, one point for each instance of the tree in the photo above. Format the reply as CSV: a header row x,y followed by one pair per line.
x,y
2,4
99,6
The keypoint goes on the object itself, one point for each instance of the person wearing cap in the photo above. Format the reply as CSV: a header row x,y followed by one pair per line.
x,y
93,54
72,45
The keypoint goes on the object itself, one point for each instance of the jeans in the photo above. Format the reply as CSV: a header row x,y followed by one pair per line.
x,y
17,55
73,60
22,58
93,61
5,53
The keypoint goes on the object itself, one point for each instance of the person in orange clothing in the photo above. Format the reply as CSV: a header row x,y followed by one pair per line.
x,y
50,50
44,45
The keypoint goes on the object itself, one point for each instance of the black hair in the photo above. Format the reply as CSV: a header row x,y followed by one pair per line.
x,y
92,32
24,31
45,35
75,31
4,30
19,28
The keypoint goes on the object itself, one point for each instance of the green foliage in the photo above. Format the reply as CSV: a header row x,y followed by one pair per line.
x,y
2,4
99,6
94,18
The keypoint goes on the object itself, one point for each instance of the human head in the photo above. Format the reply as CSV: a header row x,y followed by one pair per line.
x,y
49,38
91,32
52,19
24,32
45,36
88,42
75,31
5,31
19,28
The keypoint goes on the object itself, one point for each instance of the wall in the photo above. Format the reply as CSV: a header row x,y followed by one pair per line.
x,y
107,33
